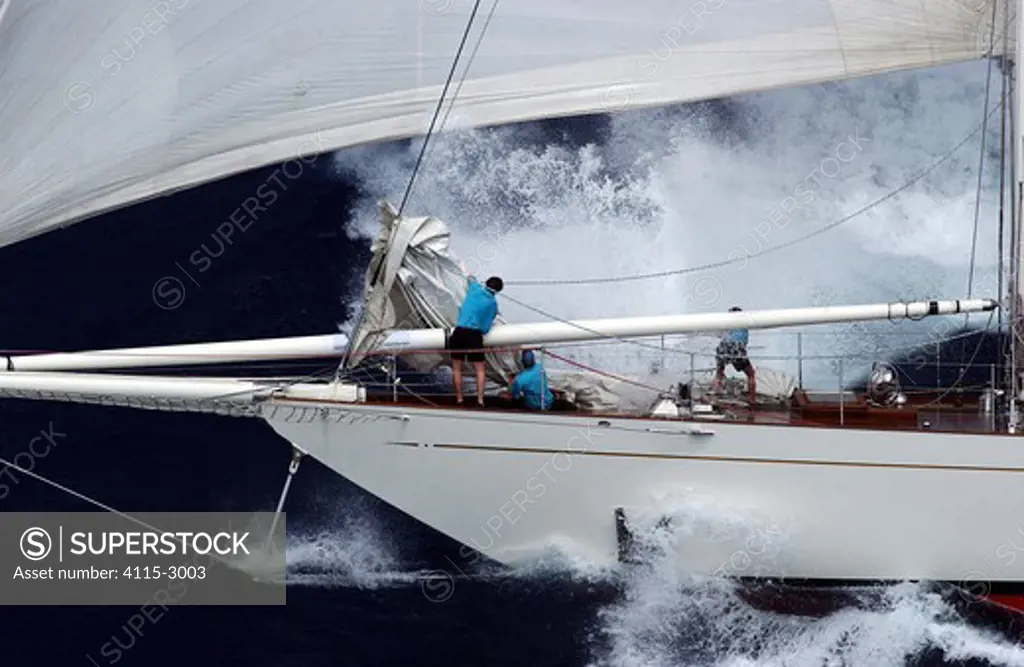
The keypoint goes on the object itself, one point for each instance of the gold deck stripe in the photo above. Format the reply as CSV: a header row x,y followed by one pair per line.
x,y
727,459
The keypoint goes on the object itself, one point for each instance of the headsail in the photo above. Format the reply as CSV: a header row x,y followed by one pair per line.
x,y
135,98
414,282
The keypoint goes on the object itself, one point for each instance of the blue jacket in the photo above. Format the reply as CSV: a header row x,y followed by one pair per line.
x,y
533,384
479,308
740,336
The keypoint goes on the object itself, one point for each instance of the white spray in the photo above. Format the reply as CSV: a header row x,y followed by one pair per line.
x,y
669,189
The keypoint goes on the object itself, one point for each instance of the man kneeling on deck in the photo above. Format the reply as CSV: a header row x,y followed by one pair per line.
x,y
531,385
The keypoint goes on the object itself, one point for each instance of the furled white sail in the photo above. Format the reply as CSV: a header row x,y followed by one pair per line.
x,y
414,281
106,103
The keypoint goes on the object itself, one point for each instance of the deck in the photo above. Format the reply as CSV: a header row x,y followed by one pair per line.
x,y
935,412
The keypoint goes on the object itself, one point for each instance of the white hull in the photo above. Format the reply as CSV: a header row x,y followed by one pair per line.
x,y
817,503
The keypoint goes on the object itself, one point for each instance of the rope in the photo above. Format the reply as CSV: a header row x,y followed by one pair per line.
x,y
419,161
94,502
462,79
417,396
1009,370
977,200
587,329
966,367
597,371
81,496
981,164
715,265
437,110
1002,183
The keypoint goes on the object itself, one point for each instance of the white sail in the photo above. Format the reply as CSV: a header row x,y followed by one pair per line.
x,y
413,281
103,104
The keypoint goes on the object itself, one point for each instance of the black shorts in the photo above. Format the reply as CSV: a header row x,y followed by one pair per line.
x,y
462,340
731,352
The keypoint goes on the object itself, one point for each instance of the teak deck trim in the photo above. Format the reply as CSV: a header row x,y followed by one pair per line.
x,y
800,414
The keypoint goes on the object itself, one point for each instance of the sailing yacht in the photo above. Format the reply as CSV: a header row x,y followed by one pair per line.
x,y
851,488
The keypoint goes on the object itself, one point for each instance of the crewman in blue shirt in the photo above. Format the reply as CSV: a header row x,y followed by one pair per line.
x,y
466,341
531,385
733,350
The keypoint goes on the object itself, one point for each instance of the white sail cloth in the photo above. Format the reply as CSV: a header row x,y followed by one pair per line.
x,y
103,104
414,282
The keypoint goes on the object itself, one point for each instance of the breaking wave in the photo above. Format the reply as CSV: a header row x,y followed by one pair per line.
x,y
682,187
343,547
660,614
667,617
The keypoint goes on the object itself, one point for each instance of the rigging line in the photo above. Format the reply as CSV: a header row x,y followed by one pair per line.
x,y
579,326
1002,175
598,371
716,265
967,366
556,318
417,396
981,163
1004,381
1014,296
412,179
80,496
440,104
462,79
91,501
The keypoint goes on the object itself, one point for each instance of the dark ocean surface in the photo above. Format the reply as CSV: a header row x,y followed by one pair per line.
x,y
293,272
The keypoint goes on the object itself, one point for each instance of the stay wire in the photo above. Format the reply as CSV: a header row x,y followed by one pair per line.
x,y
977,194
440,104
462,79
1002,174
416,167
981,164
91,501
966,367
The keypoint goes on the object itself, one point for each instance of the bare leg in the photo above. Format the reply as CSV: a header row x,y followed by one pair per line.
x,y
481,380
751,384
457,376
716,385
